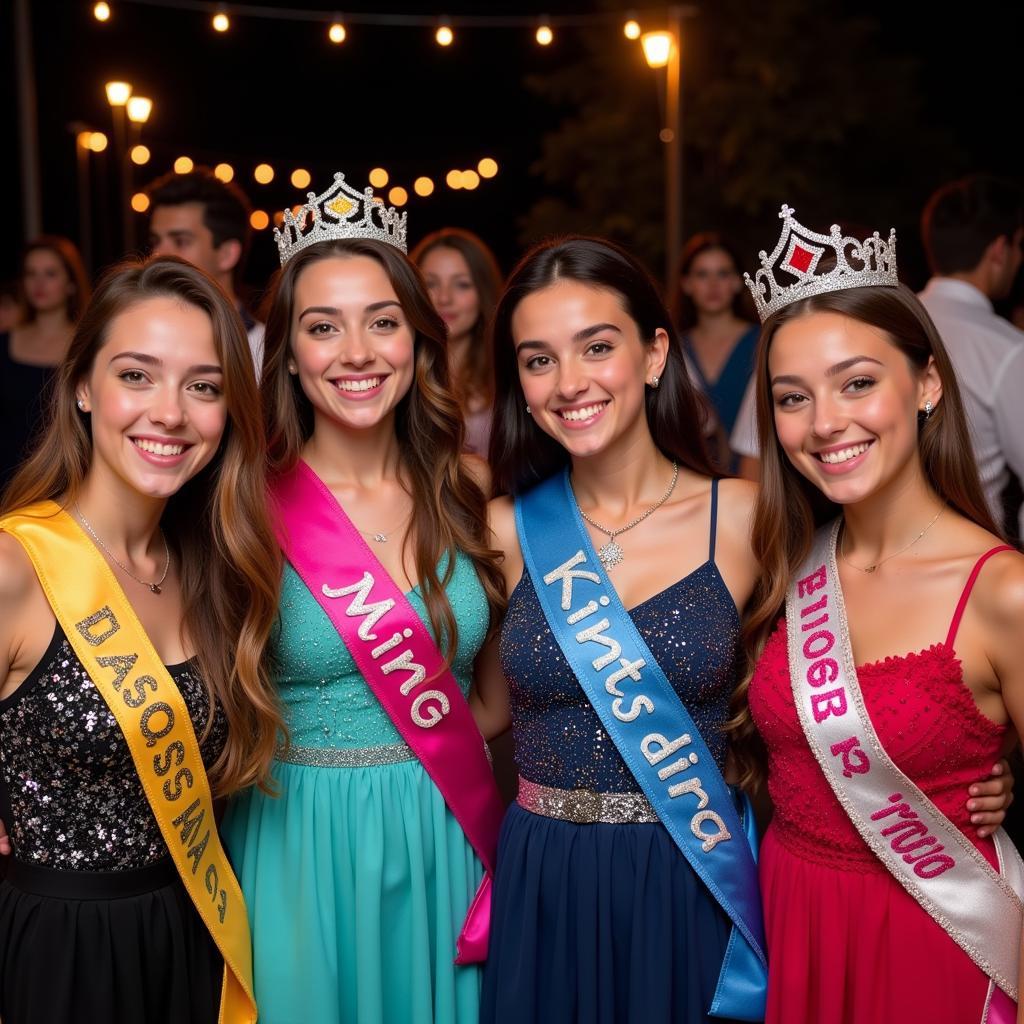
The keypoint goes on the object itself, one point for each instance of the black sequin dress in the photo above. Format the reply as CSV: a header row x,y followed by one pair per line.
x,y
95,925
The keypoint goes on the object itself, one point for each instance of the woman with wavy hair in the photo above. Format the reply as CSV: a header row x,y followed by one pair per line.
x,y
360,873
895,675
138,591
463,280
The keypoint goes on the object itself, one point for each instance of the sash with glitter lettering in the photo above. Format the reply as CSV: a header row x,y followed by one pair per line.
x,y
401,664
110,642
979,908
651,729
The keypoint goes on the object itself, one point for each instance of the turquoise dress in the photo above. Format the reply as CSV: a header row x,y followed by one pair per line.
x,y
357,878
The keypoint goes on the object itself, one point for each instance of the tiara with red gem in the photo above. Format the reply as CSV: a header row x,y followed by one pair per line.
x,y
858,264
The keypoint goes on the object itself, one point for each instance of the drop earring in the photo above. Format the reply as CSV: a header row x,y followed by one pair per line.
x,y
928,407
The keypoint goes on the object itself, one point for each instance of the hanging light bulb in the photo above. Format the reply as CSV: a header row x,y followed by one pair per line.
x,y
544,34
101,12
444,34
631,29
221,22
336,33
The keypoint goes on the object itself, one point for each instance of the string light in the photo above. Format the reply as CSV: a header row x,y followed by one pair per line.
x,y
453,179
544,35
259,220
336,33
631,29
221,22
470,180
101,12
224,172
379,177
423,186
301,177
140,155
398,196
487,167
95,142
140,202
264,174
183,165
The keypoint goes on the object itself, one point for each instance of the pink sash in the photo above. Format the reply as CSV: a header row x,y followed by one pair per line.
x,y
403,667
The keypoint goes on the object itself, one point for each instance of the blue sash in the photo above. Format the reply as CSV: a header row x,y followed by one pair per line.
x,y
651,729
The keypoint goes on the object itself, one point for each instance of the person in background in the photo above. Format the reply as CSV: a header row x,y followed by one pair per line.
x,y
718,336
972,232
463,280
12,306
56,290
206,221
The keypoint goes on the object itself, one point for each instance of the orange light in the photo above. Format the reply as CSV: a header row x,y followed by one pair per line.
x,y
224,172
140,155
398,196
139,109
453,179
487,167
470,180
101,12
544,35
444,35
631,29
259,220
264,174
301,177
221,22
658,48
336,33
97,141
423,186
140,202
118,93
183,165
379,177
278,219
83,139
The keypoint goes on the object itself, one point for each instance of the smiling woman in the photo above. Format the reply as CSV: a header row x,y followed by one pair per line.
x,y
138,590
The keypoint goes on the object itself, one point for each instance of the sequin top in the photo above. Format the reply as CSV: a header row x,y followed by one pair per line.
x,y
927,721
326,701
69,793
691,627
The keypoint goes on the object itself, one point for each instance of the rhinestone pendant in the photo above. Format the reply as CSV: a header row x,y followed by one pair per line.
x,y
380,538
155,588
611,554
871,568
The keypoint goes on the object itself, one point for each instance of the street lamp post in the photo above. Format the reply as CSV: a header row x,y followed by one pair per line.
x,y
118,94
138,109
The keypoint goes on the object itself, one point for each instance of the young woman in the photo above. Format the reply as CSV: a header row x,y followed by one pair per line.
x,y
881,904
361,873
617,890
56,291
718,337
137,592
463,280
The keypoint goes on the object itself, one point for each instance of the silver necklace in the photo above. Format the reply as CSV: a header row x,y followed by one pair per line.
x,y
380,537
611,554
154,587
875,565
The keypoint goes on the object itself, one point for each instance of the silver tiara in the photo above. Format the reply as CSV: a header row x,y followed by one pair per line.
x,y
340,212
798,253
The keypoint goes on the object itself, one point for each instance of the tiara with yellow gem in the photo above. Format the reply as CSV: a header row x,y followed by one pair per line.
x,y
858,264
340,212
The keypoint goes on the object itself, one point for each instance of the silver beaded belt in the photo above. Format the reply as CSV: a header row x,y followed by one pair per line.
x,y
351,757
585,806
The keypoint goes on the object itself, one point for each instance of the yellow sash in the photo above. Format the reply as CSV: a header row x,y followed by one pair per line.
x,y
110,642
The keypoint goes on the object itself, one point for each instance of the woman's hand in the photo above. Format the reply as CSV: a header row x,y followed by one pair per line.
x,y
990,798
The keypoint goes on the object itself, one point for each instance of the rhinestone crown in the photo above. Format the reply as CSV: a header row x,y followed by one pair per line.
x,y
798,253
340,212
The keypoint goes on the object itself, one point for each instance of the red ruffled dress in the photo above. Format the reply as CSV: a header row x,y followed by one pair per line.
x,y
846,943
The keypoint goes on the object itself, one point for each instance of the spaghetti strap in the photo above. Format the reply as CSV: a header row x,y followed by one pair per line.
x,y
714,518
968,587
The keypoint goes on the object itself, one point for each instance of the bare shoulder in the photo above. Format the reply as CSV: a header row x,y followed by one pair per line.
x,y
17,576
478,469
736,501
999,591
501,516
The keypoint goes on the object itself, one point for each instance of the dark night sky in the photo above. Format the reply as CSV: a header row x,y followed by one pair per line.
x,y
280,92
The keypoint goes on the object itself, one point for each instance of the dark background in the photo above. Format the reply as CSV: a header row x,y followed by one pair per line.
x,y
850,112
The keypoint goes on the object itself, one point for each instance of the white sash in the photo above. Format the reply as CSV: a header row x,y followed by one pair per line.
x,y
979,908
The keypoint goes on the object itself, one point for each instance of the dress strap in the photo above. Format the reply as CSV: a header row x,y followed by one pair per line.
x,y
714,519
968,587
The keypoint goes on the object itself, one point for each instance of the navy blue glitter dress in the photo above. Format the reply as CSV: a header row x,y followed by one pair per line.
x,y
606,923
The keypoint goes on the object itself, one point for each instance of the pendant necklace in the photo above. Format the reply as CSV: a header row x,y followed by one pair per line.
x,y
874,565
154,587
611,554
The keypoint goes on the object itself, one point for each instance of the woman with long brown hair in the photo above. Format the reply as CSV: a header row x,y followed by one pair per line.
x,y
138,586
359,874
882,899
463,280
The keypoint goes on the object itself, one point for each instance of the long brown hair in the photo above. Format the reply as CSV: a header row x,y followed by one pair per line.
x,y
217,524
65,250
449,506
681,306
789,508
478,382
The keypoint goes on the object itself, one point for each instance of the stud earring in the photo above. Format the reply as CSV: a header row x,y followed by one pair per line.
x,y
655,381
292,368
529,411
81,404
928,407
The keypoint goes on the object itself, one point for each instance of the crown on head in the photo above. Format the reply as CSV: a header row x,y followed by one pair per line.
x,y
798,253
340,212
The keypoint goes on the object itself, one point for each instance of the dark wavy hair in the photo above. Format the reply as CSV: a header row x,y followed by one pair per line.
x,y
217,524
449,506
521,453
790,508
